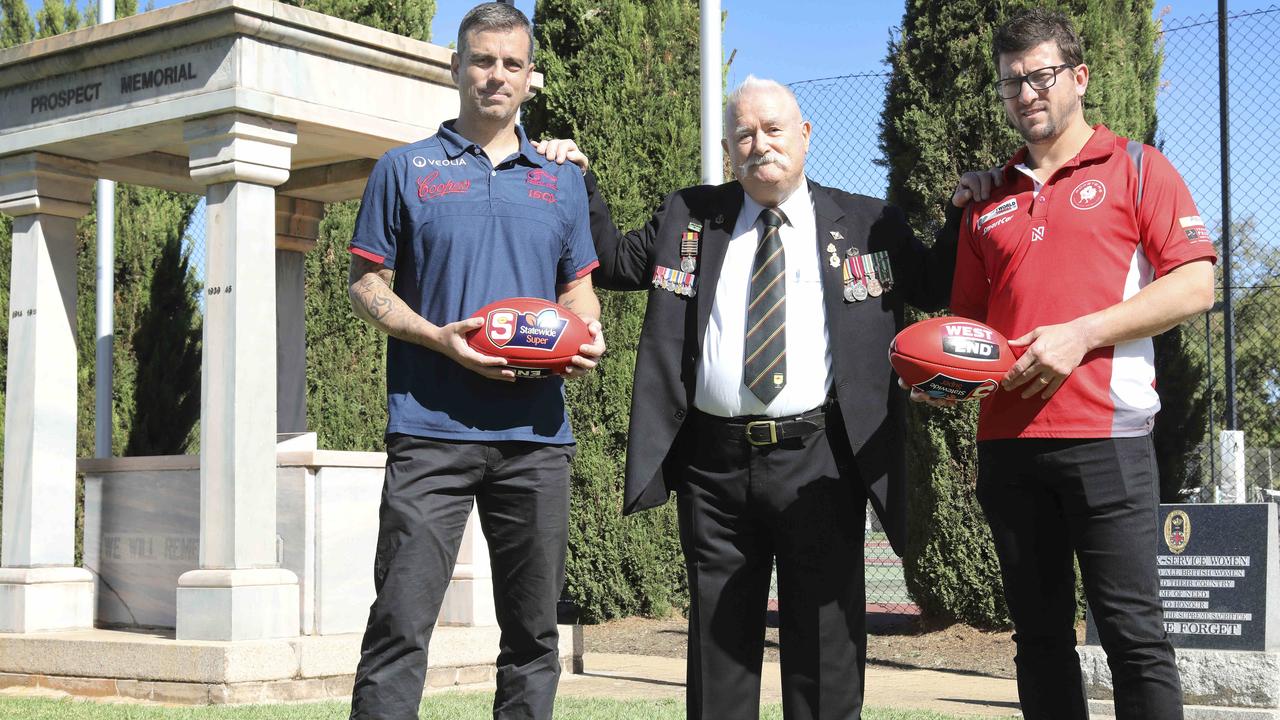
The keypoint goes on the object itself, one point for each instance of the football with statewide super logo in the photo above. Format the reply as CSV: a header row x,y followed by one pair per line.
x,y
951,358
537,337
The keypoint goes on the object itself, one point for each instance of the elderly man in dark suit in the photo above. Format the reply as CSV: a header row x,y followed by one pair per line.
x,y
764,399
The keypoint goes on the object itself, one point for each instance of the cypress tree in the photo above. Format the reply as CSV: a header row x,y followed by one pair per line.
x,y
942,118
346,358
55,18
411,18
622,79
15,23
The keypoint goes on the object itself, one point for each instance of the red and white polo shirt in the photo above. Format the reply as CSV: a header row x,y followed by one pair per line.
x,y
1033,256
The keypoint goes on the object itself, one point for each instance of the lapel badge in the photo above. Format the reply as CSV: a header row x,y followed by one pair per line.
x,y
831,248
835,235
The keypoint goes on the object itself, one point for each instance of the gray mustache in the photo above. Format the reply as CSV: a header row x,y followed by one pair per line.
x,y
769,158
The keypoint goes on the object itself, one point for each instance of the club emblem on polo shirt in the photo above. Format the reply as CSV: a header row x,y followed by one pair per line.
x,y
1088,195
539,331
541,178
1177,531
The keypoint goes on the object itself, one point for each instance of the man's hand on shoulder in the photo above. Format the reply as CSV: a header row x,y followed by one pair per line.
x,y
559,151
588,355
976,185
451,341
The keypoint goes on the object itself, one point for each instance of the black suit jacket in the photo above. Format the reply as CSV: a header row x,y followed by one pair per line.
x,y
870,401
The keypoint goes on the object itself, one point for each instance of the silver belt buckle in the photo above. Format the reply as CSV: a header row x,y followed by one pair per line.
x,y
773,432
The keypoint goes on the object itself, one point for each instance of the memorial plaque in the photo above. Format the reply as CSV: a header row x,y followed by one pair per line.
x,y
1215,565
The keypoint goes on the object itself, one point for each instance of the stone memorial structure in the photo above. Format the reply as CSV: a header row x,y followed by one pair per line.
x,y
243,574
1219,569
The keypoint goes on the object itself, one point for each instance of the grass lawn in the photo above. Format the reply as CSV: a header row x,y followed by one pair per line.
x,y
451,706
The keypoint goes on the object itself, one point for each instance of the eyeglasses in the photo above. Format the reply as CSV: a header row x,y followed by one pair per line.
x,y
1041,79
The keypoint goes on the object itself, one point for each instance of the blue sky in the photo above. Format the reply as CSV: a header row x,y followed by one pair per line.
x,y
815,39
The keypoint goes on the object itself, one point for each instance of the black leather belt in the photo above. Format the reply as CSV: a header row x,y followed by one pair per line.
x,y
764,431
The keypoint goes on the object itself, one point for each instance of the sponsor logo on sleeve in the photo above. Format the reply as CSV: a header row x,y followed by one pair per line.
x,y
1193,227
431,187
1088,195
1037,233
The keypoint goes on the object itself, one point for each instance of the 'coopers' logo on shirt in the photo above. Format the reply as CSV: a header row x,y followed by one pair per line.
x,y
429,189
538,331
541,178
1088,195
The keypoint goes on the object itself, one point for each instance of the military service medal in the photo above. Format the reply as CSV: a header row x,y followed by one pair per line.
x,y
689,247
884,269
873,283
856,291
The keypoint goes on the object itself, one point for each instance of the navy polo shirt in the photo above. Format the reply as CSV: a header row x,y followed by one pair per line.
x,y
460,233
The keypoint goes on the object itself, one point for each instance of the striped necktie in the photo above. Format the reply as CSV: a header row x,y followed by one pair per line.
x,y
764,350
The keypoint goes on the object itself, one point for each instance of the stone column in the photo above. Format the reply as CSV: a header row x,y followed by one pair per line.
x,y
240,592
297,227
40,588
469,599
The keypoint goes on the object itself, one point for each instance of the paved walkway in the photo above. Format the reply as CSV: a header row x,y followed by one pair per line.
x,y
959,694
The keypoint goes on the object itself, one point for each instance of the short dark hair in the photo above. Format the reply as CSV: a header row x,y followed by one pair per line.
x,y
493,16
1035,27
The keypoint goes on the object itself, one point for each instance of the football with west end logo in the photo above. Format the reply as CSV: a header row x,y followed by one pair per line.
x,y
951,358
537,337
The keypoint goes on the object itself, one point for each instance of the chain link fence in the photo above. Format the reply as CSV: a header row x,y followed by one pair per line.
x,y
1226,465
1235,461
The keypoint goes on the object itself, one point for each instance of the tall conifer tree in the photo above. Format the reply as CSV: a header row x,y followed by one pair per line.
x,y
622,79
941,118
411,18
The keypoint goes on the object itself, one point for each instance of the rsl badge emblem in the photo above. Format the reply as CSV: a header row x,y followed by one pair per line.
x,y
1177,531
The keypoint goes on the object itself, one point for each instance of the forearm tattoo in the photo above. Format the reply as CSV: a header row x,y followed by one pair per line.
x,y
373,300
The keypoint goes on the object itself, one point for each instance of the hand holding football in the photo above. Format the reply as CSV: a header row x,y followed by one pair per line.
x,y
951,358
537,337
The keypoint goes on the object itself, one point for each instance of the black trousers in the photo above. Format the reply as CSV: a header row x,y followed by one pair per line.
x,y
1048,499
522,490
740,507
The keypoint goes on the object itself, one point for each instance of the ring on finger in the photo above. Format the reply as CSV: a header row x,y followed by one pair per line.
x,y
1044,380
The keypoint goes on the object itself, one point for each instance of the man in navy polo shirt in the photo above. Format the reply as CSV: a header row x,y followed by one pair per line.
x,y
468,216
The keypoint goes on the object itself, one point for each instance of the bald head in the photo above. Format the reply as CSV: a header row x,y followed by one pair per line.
x,y
766,139
757,86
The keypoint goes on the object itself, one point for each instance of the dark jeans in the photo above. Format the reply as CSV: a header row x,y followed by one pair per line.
x,y
740,507
522,490
1046,499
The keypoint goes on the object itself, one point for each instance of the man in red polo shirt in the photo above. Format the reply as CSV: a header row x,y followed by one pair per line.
x,y
1090,245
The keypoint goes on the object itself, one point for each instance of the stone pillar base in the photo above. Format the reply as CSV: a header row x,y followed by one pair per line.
x,y
44,599
469,601
237,604
1216,684
1105,709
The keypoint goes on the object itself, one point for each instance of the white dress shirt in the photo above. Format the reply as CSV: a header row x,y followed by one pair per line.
x,y
720,390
